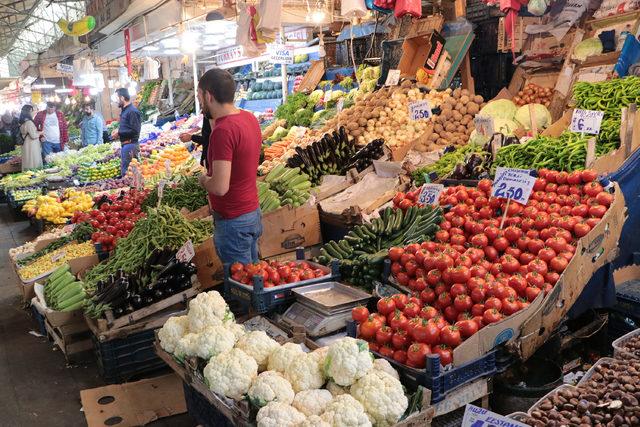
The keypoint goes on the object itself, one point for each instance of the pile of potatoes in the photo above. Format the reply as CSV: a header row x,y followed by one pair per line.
x,y
454,124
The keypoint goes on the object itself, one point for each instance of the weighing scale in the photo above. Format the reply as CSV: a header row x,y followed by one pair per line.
x,y
323,308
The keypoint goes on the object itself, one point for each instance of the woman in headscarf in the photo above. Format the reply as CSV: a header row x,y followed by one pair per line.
x,y
31,149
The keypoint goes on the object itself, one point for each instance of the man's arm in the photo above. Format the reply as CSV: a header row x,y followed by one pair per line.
x,y
218,183
99,128
64,128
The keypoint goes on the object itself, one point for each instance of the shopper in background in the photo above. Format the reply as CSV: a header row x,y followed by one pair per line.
x,y
92,125
202,140
129,129
233,155
53,126
30,139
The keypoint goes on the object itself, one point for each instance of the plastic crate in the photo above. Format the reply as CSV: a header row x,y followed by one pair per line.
x,y
203,412
436,378
619,343
121,359
261,299
628,298
39,319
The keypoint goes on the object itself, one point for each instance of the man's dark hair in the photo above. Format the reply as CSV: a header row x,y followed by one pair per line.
x,y
123,92
51,104
91,104
220,84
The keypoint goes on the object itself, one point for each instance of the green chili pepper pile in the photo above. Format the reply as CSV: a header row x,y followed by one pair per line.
x,y
164,227
187,193
445,165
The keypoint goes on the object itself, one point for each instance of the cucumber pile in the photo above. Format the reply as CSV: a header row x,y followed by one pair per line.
x,y
365,247
62,292
283,186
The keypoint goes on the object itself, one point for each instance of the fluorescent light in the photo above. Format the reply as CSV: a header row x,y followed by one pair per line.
x,y
172,52
94,91
63,90
151,48
190,41
43,86
172,43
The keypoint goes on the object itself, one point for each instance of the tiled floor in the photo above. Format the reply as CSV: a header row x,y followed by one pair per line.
x,y
37,387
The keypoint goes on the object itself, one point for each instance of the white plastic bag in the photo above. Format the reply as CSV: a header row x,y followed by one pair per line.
x,y
538,7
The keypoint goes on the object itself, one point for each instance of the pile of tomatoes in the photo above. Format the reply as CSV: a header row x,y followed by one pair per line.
x,y
405,200
115,217
475,273
275,273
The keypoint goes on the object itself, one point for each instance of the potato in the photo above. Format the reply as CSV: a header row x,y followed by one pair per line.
x,y
445,115
457,116
465,120
406,84
478,99
463,110
356,133
438,128
471,125
442,141
456,93
465,92
446,106
464,99
473,108
450,127
461,129
353,125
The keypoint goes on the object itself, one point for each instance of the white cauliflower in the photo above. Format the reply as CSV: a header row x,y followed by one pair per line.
x,y
320,354
173,329
312,402
314,421
305,373
345,411
258,345
231,373
212,341
382,397
384,366
277,414
347,361
237,329
186,346
207,309
336,390
270,386
282,356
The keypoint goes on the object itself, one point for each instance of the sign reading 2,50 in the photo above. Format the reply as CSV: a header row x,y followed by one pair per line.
x,y
508,192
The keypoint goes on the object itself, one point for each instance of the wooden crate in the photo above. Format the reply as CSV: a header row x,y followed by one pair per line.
x,y
74,339
312,77
504,41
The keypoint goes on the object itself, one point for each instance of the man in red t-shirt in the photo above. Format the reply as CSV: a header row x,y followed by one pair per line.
x,y
233,156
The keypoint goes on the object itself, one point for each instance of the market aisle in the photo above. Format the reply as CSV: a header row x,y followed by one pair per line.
x,y
37,388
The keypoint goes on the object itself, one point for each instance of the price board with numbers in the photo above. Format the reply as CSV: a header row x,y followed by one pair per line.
x,y
420,110
186,252
393,77
514,184
484,125
586,121
430,194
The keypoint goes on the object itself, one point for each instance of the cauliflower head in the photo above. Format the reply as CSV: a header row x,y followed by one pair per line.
x,y
173,329
186,346
282,356
347,361
270,386
382,397
212,341
258,345
320,354
231,373
336,390
277,414
305,373
207,309
314,421
312,402
385,366
345,411
237,329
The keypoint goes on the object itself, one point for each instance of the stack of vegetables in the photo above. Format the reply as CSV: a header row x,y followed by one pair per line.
x,y
283,383
533,94
45,264
155,165
267,89
364,248
81,233
58,209
470,161
277,273
98,171
474,273
185,193
62,292
283,187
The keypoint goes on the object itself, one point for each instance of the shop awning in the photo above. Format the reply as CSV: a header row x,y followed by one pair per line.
x,y
362,30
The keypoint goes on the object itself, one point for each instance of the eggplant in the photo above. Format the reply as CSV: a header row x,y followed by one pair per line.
x,y
459,171
136,301
148,300
158,294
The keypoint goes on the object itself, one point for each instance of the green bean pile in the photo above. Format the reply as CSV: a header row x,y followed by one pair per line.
x,y
187,193
163,227
445,165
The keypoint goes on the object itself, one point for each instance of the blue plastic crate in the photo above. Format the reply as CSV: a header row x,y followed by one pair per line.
x,y
39,319
628,298
434,376
202,411
261,299
121,359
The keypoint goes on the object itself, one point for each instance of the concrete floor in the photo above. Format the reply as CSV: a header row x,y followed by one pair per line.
x,y
37,387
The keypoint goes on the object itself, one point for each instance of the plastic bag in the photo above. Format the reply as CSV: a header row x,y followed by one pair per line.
x,y
538,7
408,7
351,8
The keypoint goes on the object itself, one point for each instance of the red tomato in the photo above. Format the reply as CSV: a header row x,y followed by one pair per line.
x,y
442,236
538,265
398,198
395,254
535,279
493,302
417,354
558,264
450,335
491,253
445,353
581,229
478,271
411,266
443,261
546,254
478,294
574,178
374,346
485,185
396,268
400,339
467,327
400,301
411,310
531,293
463,303
386,306
386,351
477,309
397,320
551,277
597,211
368,328
539,184
510,306
383,335
479,240
491,315
426,332
427,296
360,314
592,189
402,278
428,312
444,300
509,264
457,289
604,198
400,356
558,244
566,254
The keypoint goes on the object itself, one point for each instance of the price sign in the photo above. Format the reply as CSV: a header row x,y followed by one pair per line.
x,y
281,54
419,110
393,77
340,105
167,168
480,417
57,257
186,252
430,194
161,185
76,182
514,184
586,121
484,125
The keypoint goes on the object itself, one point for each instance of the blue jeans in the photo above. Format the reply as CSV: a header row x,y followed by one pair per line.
x,y
127,152
236,239
48,148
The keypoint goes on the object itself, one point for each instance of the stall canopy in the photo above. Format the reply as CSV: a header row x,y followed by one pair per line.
x,y
362,30
30,26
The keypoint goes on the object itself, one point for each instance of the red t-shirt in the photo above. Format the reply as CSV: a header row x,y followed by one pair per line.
x,y
236,138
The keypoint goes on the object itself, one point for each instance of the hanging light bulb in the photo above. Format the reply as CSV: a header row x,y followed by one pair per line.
x,y
318,15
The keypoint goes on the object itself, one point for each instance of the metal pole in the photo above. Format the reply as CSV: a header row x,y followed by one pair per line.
x,y
195,83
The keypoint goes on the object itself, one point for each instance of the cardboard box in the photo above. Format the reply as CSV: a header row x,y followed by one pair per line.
x,y
593,251
134,404
525,331
209,265
286,228
10,167
421,51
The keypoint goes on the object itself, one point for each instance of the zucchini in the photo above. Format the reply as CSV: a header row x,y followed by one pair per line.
x,y
344,245
332,251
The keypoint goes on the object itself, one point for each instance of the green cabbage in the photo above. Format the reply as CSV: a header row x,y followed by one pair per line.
x,y
587,48
505,127
542,115
499,109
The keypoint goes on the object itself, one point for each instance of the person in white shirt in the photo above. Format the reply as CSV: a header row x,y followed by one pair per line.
x,y
54,129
